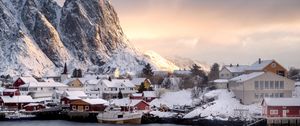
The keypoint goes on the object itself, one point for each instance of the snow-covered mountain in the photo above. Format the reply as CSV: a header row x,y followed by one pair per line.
x,y
186,63
160,62
39,36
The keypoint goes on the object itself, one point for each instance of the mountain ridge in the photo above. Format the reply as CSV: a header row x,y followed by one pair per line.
x,y
39,36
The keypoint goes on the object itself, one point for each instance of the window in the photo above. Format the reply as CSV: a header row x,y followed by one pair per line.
x,y
281,85
73,107
266,84
87,108
276,84
271,84
281,95
273,65
256,85
272,95
222,75
274,112
261,85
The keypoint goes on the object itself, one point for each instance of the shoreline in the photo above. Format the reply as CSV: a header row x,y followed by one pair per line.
x,y
91,118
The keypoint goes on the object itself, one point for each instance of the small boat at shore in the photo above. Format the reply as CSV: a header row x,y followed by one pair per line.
x,y
115,116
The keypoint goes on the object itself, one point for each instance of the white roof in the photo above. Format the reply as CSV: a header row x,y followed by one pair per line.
x,y
260,66
118,83
137,94
73,97
151,94
75,94
17,99
32,104
282,101
221,81
95,101
44,84
138,81
28,79
245,77
126,102
42,99
93,81
236,69
10,90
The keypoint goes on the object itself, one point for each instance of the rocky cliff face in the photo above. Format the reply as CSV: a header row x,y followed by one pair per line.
x,y
38,36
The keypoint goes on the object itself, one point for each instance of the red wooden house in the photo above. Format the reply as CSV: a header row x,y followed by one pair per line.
x,y
132,104
15,102
136,96
88,105
11,92
34,107
23,80
281,110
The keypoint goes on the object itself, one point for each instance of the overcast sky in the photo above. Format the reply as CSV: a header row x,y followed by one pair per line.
x,y
224,31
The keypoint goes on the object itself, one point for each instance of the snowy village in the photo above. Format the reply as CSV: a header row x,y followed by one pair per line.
x,y
149,62
240,94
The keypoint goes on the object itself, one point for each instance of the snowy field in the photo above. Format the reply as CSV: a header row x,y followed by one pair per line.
x,y
169,99
222,108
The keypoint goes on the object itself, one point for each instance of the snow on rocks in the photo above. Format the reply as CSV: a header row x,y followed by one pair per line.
x,y
163,114
223,107
170,99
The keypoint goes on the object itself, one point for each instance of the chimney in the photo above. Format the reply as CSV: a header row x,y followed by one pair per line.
x,y
259,61
230,65
237,65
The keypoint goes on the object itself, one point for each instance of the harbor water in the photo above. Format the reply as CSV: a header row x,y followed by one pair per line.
x,y
61,123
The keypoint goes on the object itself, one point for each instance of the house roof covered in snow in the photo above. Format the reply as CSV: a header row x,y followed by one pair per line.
x,y
282,101
75,94
220,81
245,77
10,90
17,99
150,94
93,81
236,68
44,84
118,83
137,95
28,79
95,101
260,65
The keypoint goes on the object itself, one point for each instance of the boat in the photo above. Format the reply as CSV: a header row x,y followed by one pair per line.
x,y
114,115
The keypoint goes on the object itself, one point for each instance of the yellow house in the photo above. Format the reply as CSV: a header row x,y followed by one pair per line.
x,y
74,83
138,81
267,66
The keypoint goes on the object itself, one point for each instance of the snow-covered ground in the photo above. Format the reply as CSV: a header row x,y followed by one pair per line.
x,y
223,107
170,99
163,114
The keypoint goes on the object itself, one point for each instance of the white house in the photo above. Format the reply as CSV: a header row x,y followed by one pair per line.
x,y
253,87
41,89
111,88
93,88
231,71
